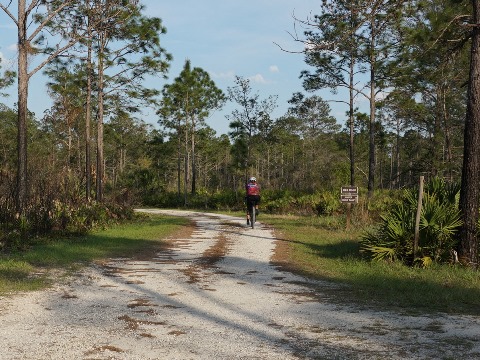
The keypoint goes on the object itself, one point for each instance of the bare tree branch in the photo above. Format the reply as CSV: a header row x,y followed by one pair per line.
x,y
52,56
50,16
5,9
32,6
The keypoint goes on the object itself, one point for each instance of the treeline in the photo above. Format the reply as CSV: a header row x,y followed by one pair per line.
x,y
144,165
409,61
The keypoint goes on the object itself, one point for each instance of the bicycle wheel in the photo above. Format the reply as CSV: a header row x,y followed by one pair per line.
x,y
252,215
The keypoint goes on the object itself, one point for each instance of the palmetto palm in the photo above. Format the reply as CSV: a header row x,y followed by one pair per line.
x,y
393,238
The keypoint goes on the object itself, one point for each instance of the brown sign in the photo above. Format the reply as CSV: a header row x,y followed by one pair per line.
x,y
350,190
349,198
349,194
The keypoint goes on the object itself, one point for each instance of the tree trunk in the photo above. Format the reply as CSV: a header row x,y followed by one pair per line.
x,y
185,175
351,121
70,143
447,135
437,137
100,157
179,159
397,162
186,165
194,165
469,193
23,49
88,115
371,165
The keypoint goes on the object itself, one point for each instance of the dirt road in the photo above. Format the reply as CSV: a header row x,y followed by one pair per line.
x,y
215,295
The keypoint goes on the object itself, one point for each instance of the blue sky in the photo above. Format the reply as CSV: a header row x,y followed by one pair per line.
x,y
224,38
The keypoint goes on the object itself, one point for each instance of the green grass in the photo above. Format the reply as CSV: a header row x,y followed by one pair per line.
x,y
316,250
28,270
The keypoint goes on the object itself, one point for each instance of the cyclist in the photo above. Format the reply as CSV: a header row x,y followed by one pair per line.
x,y
252,196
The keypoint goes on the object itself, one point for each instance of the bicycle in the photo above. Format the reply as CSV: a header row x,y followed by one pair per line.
x,y
252,211
252,214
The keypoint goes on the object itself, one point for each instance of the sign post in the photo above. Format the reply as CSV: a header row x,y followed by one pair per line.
x,y
417,218
349,195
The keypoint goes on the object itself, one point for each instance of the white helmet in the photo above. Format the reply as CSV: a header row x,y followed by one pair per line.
x,y
252,179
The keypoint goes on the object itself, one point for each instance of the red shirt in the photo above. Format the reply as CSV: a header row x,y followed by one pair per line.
x,y
253,189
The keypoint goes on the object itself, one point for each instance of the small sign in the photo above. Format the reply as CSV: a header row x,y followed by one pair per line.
x,y
349,194
350,190
349,198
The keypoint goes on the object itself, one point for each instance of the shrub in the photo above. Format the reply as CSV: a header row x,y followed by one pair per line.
x,y
327,203
393,238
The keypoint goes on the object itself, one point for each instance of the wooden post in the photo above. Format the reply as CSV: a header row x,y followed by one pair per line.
x,y
349,210
417,219
349,195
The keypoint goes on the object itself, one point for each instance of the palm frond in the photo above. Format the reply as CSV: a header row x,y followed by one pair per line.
x,y
379,253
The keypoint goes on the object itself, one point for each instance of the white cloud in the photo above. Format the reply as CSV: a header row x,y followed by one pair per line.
x,y
274,69
259,79
12,47
382,95
6,62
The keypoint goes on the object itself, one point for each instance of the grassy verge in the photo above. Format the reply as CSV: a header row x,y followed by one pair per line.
x,y
25,271
309,248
